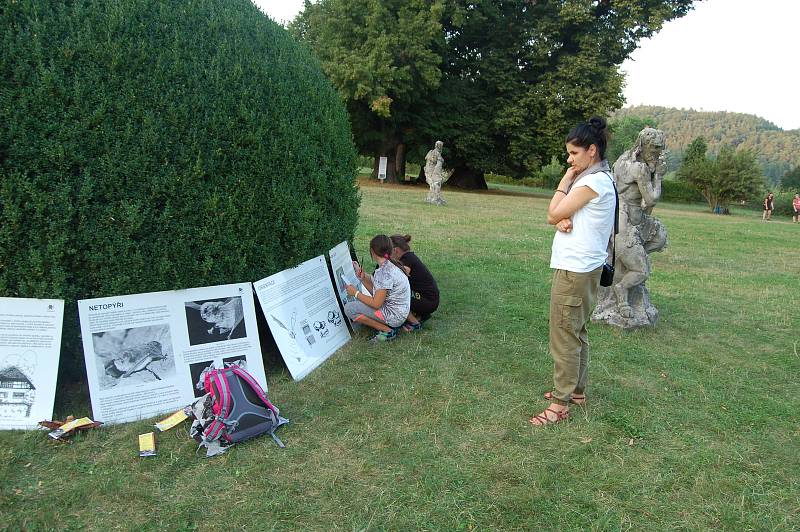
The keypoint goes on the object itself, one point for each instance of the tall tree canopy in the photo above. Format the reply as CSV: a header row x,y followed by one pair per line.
x,y
499,81
380,56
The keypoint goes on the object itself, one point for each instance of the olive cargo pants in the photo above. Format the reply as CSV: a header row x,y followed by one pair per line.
x,y
573,297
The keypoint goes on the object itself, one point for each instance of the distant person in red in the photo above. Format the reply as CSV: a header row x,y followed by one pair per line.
x,y
769,206
796,208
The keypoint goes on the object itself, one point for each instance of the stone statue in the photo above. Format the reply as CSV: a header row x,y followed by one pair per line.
x,y
434,174
638,173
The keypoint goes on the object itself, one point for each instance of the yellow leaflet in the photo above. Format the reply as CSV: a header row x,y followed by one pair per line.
x,y
171,421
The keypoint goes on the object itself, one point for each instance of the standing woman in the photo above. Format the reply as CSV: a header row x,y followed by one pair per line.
x,y
582,209
424,291
769,206
796,208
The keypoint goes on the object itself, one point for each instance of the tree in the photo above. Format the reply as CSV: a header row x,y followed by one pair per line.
x,y
380,56
512,76
790,182
733,176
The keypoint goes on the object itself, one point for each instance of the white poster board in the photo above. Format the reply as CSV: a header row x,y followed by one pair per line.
x,y
382,163
305,319
343,272
145,352
30,343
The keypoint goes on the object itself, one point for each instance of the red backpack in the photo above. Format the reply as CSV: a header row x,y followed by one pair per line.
x,y
234,408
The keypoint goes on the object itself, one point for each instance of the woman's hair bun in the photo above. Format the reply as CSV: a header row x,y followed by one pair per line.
x,y
598,123
407,238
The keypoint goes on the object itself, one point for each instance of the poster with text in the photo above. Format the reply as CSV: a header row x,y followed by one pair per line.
x,y
303,315
30,343
145,353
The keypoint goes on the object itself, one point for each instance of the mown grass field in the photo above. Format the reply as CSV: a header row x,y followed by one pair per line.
x,y
691,425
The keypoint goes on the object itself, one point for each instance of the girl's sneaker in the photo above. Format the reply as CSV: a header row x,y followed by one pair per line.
x,y
412,327
382,336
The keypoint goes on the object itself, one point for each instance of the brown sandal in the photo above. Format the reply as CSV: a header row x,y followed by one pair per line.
x,y
574,400
542,418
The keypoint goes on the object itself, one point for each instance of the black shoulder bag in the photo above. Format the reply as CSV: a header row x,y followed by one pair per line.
x,y
607,276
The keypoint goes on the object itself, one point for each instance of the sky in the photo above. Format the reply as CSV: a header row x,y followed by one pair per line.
x,y
724,55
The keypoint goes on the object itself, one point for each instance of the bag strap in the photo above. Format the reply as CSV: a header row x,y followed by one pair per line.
x,y
616,221
224,396
246,377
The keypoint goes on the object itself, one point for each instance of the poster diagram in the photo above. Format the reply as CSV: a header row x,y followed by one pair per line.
x,y
343,272
303,315
30,343
145,353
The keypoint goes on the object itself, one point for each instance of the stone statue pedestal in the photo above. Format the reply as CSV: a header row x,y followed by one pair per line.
x,y
642,312
638,175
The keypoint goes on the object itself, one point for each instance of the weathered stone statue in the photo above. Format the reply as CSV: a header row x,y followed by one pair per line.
x,y
638,173
434,174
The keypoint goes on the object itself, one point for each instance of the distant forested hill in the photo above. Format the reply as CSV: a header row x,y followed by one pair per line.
x,y
777,150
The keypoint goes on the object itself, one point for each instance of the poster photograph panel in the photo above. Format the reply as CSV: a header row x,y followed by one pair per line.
x,y
303,315
30,344
215,320
145,353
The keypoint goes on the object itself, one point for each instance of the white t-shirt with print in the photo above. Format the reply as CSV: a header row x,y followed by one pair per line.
x,y
397,304
584,249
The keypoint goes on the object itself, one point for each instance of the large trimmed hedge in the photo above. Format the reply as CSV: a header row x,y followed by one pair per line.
x,y
149,145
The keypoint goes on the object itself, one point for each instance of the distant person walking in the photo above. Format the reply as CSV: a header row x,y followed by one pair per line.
x,y
582,209
796,208
769,206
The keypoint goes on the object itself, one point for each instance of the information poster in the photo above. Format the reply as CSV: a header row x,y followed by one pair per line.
x,y
343,272
382,164
30,343
145,353
303,315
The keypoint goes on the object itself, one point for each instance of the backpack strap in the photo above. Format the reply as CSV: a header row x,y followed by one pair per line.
x,y
256,388
223,394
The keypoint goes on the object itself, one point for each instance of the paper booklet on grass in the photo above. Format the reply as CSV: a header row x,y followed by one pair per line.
x,y
144,353
30,344
305,319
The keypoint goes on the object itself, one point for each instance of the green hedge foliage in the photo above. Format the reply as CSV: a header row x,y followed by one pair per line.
x,y
679,192
149,145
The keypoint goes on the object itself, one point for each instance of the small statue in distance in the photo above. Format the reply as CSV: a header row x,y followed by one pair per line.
x,y
434,175
638,173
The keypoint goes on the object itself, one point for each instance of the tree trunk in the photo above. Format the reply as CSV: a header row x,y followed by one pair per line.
x,y
421,176
395,152
469,178
400,162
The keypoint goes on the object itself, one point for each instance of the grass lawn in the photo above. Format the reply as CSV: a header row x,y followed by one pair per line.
x,y
690,425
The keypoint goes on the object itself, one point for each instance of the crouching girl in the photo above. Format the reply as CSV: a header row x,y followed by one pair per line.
x,y
388,306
